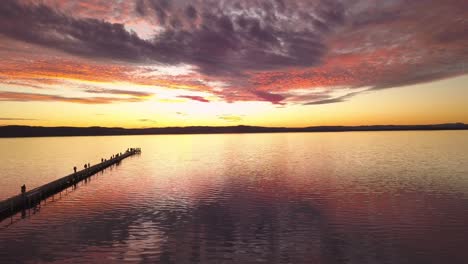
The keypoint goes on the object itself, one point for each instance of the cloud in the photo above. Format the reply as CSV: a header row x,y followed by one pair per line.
x,y
332,100
230,118
22,83
35,97
40,24
274,98
17,119
221,44
40,73
118,92
195,98
145,120
191,12
259,50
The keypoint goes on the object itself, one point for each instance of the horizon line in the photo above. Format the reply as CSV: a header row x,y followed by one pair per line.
x,y
29,131
242,125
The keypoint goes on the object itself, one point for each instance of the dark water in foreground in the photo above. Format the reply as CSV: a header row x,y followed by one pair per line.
x,y
364,197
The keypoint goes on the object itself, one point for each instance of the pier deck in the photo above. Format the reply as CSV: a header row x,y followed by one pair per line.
x,y
30,199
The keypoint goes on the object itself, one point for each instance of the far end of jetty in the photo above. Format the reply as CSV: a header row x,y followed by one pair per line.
x,y
29,199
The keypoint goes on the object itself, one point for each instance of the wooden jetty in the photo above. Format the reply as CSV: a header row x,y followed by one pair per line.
x,y
29,199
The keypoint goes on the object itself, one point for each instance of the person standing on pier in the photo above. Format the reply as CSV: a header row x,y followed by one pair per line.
x,y
74,169
23,189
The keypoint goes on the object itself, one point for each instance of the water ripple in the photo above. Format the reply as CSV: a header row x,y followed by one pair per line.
x,y
398,197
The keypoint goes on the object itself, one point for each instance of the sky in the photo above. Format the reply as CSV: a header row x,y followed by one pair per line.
x,y
295,63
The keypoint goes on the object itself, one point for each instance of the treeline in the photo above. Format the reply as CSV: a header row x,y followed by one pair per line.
x,y
33,131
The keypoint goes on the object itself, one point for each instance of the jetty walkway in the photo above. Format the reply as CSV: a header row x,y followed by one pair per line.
x,y
29,199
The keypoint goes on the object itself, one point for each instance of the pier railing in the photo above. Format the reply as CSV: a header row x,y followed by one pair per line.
x,y
29,199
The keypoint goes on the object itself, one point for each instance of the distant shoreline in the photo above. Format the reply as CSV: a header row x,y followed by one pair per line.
x,y
33,131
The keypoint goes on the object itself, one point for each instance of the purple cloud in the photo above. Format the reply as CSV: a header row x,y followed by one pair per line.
x,y
194,98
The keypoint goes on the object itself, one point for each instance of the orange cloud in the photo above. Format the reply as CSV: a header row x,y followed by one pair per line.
x,y
29,97
46,72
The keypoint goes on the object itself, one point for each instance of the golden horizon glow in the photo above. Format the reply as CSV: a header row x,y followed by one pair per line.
x,y
398,106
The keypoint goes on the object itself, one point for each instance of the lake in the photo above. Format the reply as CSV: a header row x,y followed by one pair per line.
x,y
351,197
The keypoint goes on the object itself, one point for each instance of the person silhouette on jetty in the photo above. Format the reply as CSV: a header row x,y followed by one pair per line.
x,y
86,166
74,169
23,189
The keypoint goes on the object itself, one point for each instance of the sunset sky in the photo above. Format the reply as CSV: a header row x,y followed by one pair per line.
x,y
296,63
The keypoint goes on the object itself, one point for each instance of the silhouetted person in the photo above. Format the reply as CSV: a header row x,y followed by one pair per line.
x,y
23,189
74,168
85,166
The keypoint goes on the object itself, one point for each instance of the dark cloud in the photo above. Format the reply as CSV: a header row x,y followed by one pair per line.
x,y
160,8
266,96
140,7
42,25
195,98
191,12
218,46
327,99
281,5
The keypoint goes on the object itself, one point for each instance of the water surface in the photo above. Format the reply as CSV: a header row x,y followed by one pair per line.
x,y
355,197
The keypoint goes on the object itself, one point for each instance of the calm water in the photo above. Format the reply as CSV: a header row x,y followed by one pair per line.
x,y
364,197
